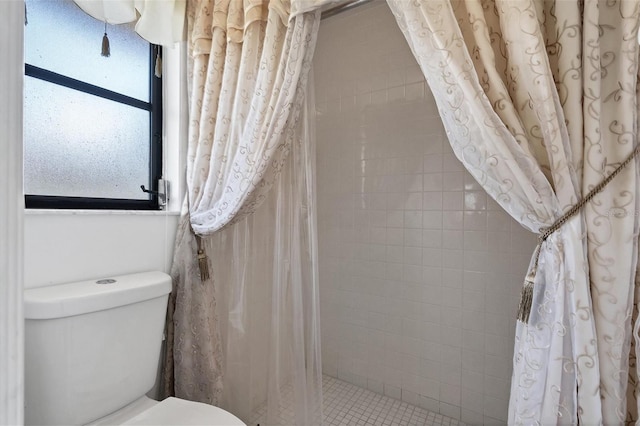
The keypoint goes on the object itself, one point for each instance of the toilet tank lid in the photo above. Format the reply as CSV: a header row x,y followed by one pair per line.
x,y
65,300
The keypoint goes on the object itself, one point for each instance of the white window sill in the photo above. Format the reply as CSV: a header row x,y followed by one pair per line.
x,y
70,212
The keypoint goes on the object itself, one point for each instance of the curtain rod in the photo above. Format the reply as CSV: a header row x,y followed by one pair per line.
x,y
343,8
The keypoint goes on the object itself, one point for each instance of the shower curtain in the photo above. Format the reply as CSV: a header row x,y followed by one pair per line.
x,y
539,101
246,336
269,312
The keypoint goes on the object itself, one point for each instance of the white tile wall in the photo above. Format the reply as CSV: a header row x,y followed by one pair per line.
x,y
420,271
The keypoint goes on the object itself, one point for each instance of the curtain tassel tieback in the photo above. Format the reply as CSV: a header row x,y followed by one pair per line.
x,y
526,298
526,295
203,260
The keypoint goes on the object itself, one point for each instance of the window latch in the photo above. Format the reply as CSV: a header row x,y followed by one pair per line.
x,y
162,193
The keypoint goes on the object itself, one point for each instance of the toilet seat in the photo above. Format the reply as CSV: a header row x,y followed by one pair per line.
x,y
171,411
175,411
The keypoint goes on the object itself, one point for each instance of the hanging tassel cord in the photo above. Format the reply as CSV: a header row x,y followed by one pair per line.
x,y
106,48
158,65
526,296
203,260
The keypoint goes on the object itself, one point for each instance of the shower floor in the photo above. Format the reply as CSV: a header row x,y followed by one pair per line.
x,y
347,404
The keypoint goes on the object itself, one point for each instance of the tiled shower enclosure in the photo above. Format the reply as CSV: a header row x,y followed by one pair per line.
x,y
420,271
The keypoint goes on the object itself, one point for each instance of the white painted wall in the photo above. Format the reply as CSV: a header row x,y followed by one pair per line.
x,y
11,206
420,272
73,246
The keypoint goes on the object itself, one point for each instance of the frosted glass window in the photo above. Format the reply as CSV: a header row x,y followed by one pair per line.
x,y
83,145
90,122
60,37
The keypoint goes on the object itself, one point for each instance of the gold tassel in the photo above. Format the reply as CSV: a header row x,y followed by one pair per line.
x,y
106,49
526,295
158,68
203,264
526,298
203,261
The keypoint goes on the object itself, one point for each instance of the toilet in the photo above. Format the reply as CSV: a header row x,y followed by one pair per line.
x,y
91,354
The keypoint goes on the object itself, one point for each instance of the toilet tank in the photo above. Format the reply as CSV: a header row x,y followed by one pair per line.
x,y
92,347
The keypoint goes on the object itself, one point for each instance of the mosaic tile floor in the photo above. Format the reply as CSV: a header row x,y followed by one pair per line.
x,y
349,405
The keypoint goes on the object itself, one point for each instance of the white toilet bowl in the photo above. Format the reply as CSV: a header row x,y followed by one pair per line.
x,y
171,411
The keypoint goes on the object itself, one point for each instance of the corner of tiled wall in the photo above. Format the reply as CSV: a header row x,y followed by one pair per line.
x,y
420,270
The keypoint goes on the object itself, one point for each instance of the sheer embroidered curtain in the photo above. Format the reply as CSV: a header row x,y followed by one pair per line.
x,y
248,338
539,101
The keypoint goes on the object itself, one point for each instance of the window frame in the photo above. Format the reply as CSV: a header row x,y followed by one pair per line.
x,y
154,107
